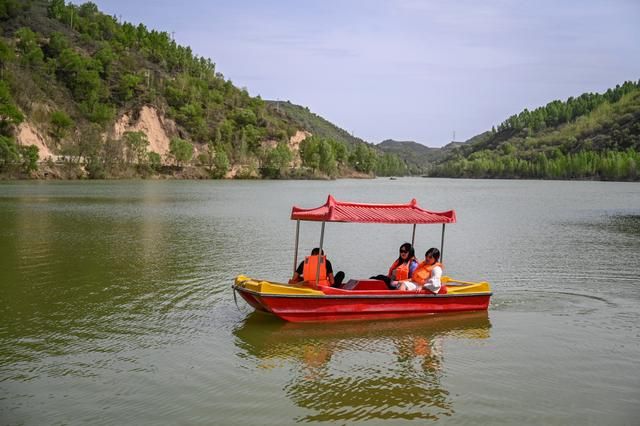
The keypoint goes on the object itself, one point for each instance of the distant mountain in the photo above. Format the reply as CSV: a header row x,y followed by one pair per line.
x,y
419,158
398,146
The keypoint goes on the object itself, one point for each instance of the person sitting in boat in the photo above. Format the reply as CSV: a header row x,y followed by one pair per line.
x,y
427,275
402,269
307,270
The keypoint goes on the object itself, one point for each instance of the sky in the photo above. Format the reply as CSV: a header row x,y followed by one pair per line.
x,y
406,69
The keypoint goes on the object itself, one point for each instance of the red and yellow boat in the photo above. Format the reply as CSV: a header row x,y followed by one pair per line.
x,y
366,298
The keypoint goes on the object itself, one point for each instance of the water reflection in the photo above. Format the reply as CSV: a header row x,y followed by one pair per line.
x,y
94,276
361,370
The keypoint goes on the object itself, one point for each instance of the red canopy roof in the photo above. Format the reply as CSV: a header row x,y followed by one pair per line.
x,y
344,211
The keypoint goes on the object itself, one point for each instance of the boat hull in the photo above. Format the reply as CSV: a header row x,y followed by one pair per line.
x,y
304,304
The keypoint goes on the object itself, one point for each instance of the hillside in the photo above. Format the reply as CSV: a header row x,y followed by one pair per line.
x,y
362,155
83,95
313,123
593,136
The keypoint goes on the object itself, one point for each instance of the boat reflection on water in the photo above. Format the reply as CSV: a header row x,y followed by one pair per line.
x,y
351,371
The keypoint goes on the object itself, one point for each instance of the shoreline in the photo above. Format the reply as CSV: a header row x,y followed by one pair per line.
x,y
163,177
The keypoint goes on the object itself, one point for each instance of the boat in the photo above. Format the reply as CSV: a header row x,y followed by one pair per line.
x,y
361,299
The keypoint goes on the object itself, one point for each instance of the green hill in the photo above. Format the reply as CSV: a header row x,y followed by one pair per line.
x,y
313,122
99,98
593,136
363,156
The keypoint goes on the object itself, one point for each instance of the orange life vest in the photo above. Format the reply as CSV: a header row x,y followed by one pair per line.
x,y
423,272
402,270
310,270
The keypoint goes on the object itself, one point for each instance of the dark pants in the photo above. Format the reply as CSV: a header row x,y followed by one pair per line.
x,y
337,279
386,280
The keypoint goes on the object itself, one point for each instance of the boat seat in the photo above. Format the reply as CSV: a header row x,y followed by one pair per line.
x,y
364,285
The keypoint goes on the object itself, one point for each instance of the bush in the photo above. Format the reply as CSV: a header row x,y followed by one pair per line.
x,y
29,158
155,161
9,153
60,123
180,150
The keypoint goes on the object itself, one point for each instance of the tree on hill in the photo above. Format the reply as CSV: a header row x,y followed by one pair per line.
x,y
60,124
277,161
137,144
10,115
9,153
318,154
221,163
180,150
363,158
30,158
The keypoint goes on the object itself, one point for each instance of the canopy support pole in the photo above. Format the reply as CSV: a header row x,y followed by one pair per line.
x,y
295,254
320,254
413,236
442,244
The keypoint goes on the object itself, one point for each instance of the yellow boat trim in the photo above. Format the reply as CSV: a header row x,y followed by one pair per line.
x,y
461,287
267,287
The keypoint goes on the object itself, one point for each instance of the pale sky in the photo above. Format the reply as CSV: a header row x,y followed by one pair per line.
x,y
407,69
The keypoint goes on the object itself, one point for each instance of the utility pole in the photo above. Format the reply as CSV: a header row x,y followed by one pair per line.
x,y
454,136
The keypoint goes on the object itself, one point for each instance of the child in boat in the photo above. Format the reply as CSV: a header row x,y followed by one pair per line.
x,y
307,272
427,275
402,269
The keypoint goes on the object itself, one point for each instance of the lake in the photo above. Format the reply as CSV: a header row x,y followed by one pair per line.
x,y
116,306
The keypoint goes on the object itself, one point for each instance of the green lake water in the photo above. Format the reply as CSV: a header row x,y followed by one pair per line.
x,y
116,306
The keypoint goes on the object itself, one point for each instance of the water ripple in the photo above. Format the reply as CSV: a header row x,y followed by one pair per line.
x,y
116,306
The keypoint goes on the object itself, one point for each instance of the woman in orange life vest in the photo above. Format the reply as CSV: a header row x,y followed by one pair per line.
x,y
306,271
402,269
427,275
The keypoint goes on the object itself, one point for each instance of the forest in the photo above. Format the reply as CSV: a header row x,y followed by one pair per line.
x,y
593,136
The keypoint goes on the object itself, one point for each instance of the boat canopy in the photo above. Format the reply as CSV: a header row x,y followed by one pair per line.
x,y
344,211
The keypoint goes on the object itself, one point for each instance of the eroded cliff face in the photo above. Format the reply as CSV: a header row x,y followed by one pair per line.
x,y
151,122
294,146
27,134
158,128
